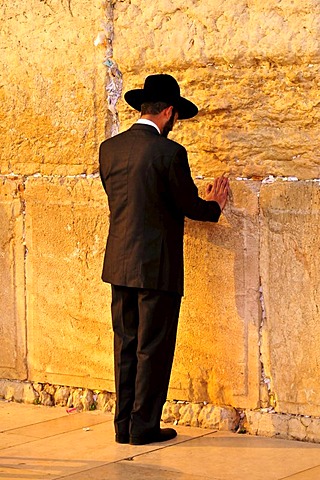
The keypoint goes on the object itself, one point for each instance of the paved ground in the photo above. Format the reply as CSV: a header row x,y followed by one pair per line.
x,y
40,442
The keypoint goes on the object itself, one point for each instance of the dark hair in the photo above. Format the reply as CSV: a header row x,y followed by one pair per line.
x,y
153,108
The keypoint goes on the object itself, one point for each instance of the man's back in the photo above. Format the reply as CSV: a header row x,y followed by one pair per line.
x,y
146,224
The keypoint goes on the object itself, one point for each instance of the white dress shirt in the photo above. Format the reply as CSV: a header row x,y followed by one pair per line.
x,y
145,121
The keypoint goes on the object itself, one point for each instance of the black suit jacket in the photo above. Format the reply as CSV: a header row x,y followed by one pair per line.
x,y
150,191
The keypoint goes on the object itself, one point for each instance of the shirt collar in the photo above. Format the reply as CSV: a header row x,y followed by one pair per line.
x,y
145,121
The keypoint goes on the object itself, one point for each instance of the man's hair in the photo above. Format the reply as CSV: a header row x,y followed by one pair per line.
x,y
153,108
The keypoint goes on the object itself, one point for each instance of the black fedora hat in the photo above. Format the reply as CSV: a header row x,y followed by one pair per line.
x,y
161,88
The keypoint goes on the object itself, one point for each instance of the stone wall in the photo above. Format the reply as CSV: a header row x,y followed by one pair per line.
x,y
249,332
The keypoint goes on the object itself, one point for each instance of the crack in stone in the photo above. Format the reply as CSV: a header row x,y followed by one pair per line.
x,y
23,212
48,4
114,75
69,6
265,381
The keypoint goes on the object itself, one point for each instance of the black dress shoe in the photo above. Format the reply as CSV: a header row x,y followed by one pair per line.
x,y
122,438
163,435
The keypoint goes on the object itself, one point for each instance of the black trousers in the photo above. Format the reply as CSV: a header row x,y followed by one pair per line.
x,y
145,327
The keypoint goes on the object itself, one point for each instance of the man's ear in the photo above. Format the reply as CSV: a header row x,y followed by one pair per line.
x,y
168,111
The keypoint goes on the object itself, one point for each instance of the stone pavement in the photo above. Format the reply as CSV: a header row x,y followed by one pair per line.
x,y
39,442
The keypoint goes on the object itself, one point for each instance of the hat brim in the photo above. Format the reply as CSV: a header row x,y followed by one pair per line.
x,y
186,109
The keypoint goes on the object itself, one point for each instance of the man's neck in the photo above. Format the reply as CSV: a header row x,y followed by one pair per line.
x,y
154,119
150,122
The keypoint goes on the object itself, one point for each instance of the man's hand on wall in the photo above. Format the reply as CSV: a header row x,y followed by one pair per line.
x,y
218,192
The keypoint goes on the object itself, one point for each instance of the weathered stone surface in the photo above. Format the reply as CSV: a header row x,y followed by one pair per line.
x,y
17,391
105,401
61,396
313,431
110,406
226,31
87,399
250,423
29,394
46,399
296,430
12,294
251,123
70,335
201,415
51,389
217,355
189,414
171,412
222,418
294,427
52,95
252,69
38,387
76,399
267,424
290,257
101,400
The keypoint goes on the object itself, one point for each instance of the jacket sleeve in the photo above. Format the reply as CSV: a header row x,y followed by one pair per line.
x,y
185,192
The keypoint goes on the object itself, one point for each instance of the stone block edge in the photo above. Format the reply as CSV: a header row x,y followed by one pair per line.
x,y
260,422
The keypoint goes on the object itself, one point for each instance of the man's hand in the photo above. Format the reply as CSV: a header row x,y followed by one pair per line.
x,y
218,192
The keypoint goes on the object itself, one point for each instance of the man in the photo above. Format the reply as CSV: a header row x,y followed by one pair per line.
x,y
150,190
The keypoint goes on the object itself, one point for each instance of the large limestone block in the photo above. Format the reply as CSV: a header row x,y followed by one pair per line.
x,y
234,31
252,121
290,259
267,424
252,68
69,327
12,293
217,355
53,107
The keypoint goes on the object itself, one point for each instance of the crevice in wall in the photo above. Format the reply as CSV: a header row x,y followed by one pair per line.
x,y
113,84
68,6
24,178
267,397
21,188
